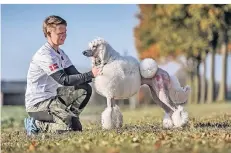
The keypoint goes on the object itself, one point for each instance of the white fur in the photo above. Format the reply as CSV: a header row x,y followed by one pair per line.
x,y
120,77
167,121
119,117
178,119
148,68
112,118
106,118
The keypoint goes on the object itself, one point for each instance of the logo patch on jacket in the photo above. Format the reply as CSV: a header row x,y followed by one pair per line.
x,y
53,67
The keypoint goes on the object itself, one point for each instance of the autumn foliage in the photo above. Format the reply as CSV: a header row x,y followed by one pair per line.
x,y
172,30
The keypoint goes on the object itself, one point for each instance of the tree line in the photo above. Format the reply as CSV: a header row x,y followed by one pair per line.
x,y
192,30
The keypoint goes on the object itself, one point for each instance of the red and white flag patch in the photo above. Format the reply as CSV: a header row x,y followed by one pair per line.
x,y
53,67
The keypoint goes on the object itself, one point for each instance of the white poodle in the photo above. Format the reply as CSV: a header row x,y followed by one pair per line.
x,y
121,77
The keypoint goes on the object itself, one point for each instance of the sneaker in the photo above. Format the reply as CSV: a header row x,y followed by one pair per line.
x,y
30,126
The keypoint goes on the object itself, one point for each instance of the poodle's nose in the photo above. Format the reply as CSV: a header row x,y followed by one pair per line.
x,y
88,53
85,52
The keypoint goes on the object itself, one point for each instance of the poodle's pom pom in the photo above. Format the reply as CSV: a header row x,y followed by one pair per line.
x,y
167,122
119,116
148,68
94,43
112,118
106,118
180,117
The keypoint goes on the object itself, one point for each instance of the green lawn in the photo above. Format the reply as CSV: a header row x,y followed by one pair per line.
x,y
209,130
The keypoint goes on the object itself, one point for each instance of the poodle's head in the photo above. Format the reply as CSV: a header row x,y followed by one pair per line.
x,y
100,51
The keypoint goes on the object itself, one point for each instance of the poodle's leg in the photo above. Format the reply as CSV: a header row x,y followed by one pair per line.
x,y
167,121
168,109
179,117
164,105
117,114
177,93
107,115
175,116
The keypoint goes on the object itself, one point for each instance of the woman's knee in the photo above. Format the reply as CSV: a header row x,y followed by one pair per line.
x,y
87,88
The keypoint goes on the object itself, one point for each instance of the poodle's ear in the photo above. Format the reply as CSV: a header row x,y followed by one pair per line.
x,y
103,54
100,40
92,61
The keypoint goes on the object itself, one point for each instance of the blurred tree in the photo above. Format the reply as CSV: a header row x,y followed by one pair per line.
x,y
192,30
225,21
214,21
171,32
212,50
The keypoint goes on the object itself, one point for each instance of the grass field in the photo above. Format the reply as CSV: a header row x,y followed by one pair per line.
x,y
209,131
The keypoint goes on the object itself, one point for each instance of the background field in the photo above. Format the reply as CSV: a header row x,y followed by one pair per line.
x,y
209,130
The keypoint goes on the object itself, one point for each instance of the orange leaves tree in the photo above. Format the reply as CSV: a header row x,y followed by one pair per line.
x,y
192,30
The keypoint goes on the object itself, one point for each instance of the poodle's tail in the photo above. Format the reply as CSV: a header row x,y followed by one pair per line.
x,y
179,95
148,68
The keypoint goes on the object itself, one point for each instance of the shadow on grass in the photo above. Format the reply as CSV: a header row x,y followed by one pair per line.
x,y
140,128
213,125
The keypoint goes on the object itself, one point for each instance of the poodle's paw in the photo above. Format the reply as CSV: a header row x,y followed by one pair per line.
x,y
167,122
119,117
180,117
106,119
